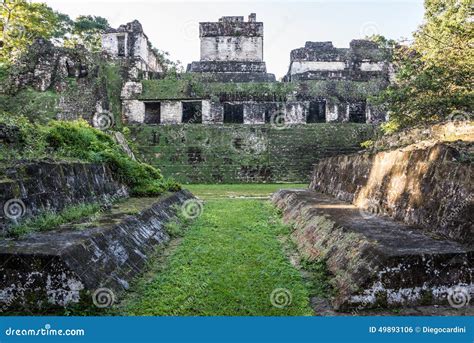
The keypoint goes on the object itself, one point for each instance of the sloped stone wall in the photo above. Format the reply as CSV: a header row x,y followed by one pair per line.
x,y
238,153
28,189
74,265
426,186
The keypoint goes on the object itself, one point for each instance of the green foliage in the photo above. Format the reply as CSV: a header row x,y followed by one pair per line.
x,y
78,140
86,30
36,106
179,86
23,21
434,75
367,144
51,220
229,263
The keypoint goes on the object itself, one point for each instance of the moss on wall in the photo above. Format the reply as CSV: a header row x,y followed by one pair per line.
x,y
37,106
188,86
111,77
244,153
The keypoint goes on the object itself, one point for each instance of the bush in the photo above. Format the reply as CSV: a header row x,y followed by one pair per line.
x,y
78,140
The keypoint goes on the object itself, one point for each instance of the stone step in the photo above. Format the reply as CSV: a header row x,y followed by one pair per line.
x,y
375,261
70,264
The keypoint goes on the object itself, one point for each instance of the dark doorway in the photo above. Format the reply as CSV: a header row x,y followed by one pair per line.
x,y
192,112
233,113
317,112
357,112
152,113
271,110
121,45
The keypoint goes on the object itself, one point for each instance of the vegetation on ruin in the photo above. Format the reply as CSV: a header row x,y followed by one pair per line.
x,y
229,262
77,140
38,106
47,221
434,74
24,21
189,86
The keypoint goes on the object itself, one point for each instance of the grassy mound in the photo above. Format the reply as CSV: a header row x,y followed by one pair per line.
x,y
77,140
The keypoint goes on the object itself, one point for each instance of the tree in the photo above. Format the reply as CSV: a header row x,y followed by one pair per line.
x,y
435,74
21,22
87,30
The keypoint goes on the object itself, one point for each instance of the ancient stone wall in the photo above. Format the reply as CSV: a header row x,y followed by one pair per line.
x,y
425,185
362,61
251,153
75,264
28,189
232,39
129,41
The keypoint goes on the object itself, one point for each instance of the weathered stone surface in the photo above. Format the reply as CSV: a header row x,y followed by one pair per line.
x,y
65,266
51,186
363,61
427,186
244,153
449,131
375,261
232,50
129,42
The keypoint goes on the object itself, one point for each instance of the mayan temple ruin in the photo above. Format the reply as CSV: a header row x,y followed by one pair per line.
x,y
204,189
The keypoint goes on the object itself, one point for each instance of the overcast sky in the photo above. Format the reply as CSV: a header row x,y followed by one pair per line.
x,y
173,25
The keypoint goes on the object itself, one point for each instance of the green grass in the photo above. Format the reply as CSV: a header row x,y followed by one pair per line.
x,y
235,191
52,220
228,263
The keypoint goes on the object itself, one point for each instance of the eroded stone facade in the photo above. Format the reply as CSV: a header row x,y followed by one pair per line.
x,y
130,42
327,84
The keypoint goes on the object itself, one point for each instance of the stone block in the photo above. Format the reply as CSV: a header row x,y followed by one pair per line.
x,y
375,262
72,265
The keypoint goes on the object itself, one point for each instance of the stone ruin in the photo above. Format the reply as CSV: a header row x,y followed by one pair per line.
x,y
395,225
232,59
232,51
129,43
